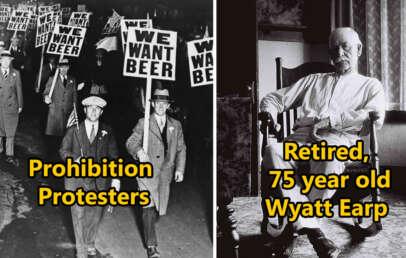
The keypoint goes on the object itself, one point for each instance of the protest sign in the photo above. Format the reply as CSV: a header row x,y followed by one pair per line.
x,y
79,19
19,20
126,23
44,9
27,7
66,40
5,13
113,24
200,55
58,17
56,7
45,26
33,21
150,53
66,12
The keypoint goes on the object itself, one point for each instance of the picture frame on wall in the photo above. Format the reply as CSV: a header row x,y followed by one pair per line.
x,y
282,20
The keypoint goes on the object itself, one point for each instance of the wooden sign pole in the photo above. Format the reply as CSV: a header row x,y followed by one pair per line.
x,y
41,64
14,35
55,78
147,114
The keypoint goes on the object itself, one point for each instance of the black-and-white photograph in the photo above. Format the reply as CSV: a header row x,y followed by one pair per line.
x,y
313,77
106,128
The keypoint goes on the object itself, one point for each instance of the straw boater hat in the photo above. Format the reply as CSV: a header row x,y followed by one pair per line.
x,y
161,95
94,101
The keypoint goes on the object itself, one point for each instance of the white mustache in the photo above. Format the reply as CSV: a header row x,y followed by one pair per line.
x,y
340,60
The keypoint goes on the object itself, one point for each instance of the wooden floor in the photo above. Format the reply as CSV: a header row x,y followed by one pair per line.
x,y
390,242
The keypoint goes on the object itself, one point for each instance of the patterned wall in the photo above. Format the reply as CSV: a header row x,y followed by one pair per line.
x,y
234,145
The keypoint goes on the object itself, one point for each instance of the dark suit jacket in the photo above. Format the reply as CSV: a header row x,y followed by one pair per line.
x,y
11,98
104,142
63,98
19,58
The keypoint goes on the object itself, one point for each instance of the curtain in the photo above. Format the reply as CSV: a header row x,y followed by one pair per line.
x,y
381,25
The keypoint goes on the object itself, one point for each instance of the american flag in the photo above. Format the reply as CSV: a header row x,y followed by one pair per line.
x,y
73,118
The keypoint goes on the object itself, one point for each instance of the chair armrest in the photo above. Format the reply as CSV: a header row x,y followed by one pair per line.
x,y
267,124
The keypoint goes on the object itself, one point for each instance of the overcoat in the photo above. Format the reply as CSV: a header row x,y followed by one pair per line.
x,y
11,98
61,106
163,165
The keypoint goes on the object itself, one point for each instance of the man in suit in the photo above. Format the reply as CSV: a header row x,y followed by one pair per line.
x,y
96,140
167,153
60,104
11,105
17,51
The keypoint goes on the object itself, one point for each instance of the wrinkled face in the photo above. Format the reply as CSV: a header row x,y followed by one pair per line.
x,y
344,51
5,62
160,107
93,113
64,70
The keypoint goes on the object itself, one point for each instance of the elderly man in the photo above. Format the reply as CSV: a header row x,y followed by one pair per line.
x,y
167,153
11,99
96,140
334,107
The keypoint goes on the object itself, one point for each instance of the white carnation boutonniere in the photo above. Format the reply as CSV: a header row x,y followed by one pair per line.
x,y
103,133
171,128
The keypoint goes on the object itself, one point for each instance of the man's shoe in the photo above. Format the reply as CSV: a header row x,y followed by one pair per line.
x,y
13,161
324,247
152,252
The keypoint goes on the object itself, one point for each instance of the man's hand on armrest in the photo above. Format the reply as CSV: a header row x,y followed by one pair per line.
x,y
266,118
321,124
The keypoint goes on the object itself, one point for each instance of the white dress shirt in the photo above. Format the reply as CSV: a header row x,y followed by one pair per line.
x,y
344,99
88,126
161,120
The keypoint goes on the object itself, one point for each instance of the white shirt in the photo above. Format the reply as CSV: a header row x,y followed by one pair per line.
x,y
63,78
345,99
8,71
161,120
88,126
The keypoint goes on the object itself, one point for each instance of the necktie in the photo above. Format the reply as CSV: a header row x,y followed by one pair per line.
x,y
161,124
92,134
5,73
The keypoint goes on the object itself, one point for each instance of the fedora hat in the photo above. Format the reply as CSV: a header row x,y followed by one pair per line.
x,y
161,95
64,62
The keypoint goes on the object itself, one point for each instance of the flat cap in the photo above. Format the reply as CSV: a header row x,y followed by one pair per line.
x,y
94,101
